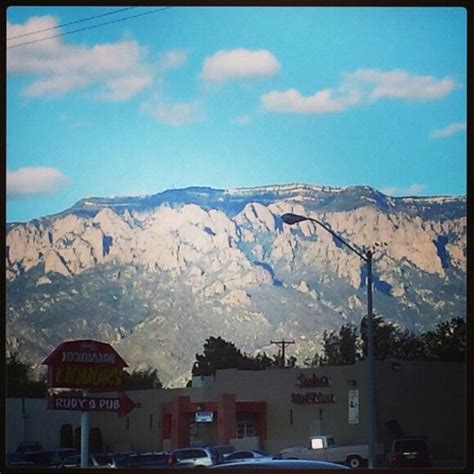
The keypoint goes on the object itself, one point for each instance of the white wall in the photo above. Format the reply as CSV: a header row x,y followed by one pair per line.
x,y
27,419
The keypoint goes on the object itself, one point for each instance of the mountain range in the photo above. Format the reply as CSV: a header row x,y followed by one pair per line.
x,y
157,275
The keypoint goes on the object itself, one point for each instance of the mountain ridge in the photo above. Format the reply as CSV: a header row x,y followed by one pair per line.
x,y
151,269
91,204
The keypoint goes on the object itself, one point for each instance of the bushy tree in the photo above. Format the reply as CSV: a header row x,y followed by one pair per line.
x,y
447,342
339,348
385,335
218,354
221,354
20,381
408,346
141,379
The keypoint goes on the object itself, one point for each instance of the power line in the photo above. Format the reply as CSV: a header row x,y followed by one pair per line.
x,y
70,23
88,27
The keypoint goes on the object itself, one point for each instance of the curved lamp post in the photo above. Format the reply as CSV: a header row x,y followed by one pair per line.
x,y
366,256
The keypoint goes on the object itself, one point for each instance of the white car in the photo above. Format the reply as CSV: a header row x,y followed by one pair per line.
x,y
248,456
191,457
95,460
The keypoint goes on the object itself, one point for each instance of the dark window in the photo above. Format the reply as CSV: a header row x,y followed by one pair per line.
x,y
240,455
66,436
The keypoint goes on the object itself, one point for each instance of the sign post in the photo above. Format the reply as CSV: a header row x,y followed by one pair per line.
x,y
85,364
84,436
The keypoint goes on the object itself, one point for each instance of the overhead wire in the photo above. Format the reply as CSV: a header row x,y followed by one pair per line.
x,y
70,23
88,27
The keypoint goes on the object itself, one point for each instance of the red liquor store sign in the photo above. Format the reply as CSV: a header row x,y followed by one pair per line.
x,y
312,397
313,381
85,364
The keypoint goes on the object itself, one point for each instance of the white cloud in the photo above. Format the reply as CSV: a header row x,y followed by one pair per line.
x,y
412,190
57,68
451,129
228,65
399,84
30,181
242,120
175,114
173,59
364,86
322,102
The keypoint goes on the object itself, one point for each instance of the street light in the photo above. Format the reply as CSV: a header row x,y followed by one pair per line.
x,y
366,256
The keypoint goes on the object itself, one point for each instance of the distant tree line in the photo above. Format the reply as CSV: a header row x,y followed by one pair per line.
x,y
141,379
446,342
221,354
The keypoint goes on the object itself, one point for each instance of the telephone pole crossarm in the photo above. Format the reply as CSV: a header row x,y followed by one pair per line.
x,y
282,344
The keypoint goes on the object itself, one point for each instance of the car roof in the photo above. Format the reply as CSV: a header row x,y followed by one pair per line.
x,y
190,448
282,464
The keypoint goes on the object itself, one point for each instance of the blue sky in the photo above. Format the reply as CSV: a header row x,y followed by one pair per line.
x,y
232,97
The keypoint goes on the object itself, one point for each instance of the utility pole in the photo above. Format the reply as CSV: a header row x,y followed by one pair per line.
x,y
283,344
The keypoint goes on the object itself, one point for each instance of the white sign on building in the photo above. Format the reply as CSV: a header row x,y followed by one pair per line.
x,y
353,406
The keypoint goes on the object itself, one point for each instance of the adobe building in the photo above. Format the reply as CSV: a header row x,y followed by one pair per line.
x,y
278,408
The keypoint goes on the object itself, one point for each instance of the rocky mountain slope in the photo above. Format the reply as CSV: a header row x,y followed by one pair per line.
x,y
156,275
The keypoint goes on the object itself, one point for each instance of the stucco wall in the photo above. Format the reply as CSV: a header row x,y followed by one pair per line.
x,y
27,419
425,398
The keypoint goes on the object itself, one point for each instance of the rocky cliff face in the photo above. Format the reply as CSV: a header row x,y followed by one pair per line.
x,y
156,276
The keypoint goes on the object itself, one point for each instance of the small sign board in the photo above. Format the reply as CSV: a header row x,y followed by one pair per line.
x,y
204,416
353,402
121,405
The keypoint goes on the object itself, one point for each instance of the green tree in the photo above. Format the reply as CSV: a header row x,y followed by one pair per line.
x,y
260,362
385,337
408,346
20,382
218,354
339,348
222,354
141,379
447,342
314,361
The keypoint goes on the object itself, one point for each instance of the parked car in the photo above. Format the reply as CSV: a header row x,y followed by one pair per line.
x,y
95,460
192,457
22,464
15,458
48,457
280,464
29,446
248,456
220,452
324,448
147,460
120,459
409,452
